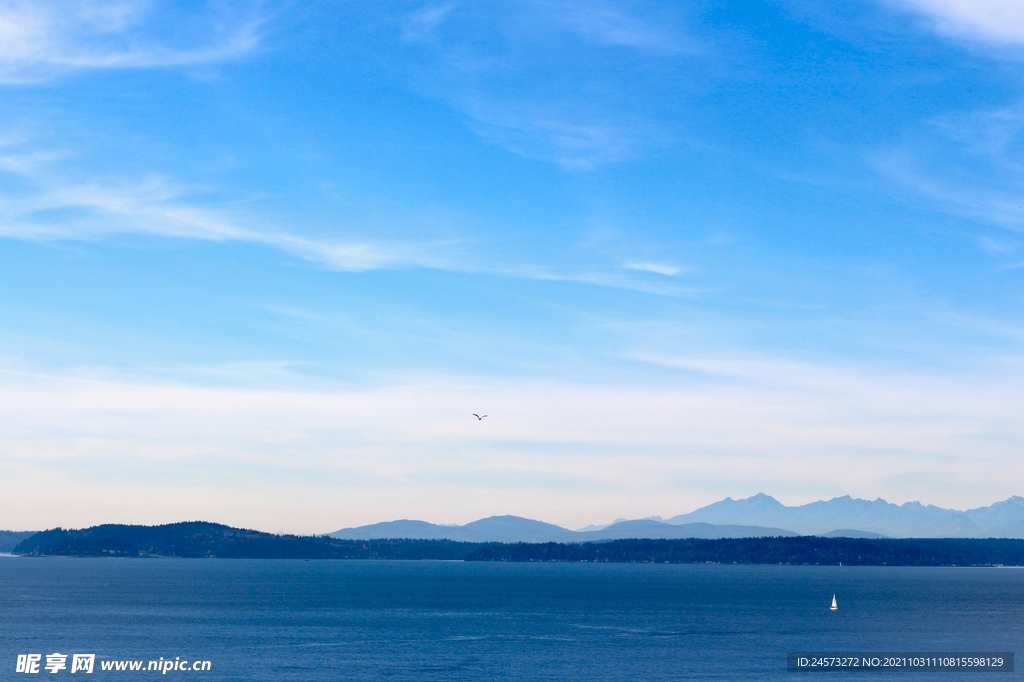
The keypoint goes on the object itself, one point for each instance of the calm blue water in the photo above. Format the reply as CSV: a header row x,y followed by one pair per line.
x,y
349,620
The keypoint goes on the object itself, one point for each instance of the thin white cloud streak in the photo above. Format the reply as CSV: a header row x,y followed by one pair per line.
x,y
54,210
992,21
665,269
613,279
156,208
312,461
41,39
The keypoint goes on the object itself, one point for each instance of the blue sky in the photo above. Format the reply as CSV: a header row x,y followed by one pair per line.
x,y
260,261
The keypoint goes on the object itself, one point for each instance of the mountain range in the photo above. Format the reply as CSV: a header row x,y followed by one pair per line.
x,y
1001,520
518,529
757,516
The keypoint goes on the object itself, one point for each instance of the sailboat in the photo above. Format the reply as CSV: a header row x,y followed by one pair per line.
x,y
835,606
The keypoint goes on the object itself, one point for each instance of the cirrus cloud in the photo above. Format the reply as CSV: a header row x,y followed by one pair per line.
x,y
41,40
996,21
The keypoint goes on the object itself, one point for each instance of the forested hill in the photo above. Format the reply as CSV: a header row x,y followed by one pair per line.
x,y
198,539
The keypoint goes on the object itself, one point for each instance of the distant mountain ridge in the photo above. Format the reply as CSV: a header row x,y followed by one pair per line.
x,y
492,529
1003,519
757,516
518,529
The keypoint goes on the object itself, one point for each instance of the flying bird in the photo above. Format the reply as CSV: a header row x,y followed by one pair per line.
x,y
479,417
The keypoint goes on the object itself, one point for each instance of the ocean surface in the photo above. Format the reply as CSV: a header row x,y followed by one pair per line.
x,y
429,620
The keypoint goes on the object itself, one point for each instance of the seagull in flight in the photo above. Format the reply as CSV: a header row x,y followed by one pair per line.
x,y
479,417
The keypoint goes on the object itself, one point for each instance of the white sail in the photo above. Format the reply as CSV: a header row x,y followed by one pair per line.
x,y
835,606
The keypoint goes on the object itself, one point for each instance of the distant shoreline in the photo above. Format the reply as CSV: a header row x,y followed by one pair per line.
x,y
200,539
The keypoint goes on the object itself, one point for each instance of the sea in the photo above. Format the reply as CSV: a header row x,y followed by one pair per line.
x,y
280,620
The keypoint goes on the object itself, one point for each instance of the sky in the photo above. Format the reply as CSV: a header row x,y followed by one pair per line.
x,y
261,261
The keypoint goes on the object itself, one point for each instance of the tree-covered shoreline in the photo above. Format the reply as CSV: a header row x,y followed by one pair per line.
x,y
199,539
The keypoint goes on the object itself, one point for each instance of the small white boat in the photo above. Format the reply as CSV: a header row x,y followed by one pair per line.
x,y
835,606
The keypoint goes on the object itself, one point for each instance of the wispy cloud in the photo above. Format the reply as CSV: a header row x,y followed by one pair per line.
x,y
40,205
422,24
570,141
996,135
657,268
994,21
601,23
967,165
156,207
972,198
41,39
613,278
607,25
544,79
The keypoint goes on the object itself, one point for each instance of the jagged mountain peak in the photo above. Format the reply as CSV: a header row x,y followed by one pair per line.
x,y
758,500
